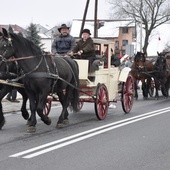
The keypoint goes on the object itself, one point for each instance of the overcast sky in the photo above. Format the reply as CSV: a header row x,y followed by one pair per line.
x,y
50,12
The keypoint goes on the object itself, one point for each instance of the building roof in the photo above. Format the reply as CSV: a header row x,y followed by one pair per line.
x,y
16,28
110,28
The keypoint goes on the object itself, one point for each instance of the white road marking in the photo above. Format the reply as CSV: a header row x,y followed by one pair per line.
x,y
42,149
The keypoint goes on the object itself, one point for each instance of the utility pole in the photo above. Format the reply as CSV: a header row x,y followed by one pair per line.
x,y
84,17
95,19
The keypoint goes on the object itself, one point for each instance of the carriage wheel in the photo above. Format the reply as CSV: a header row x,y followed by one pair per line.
x,y
127,95
80,105
101,102
47,107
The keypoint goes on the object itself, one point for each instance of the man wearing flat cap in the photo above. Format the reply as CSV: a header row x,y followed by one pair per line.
x,y
64,43
85,47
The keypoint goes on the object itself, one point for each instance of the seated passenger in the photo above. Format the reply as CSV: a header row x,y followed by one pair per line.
x,y
85,48
115,61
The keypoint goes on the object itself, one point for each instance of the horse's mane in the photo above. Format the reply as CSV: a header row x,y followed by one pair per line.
x,y
25,45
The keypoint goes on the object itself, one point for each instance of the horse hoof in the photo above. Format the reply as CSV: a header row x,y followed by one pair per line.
x,y
66,121
59,125
25,116
47,121
31,129
2,124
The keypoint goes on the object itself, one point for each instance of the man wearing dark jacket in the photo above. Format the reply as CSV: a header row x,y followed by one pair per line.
x,y
85,47
115,61
64,43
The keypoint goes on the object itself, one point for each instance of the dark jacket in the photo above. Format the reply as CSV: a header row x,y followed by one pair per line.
x,y
115,61
87,47
63,44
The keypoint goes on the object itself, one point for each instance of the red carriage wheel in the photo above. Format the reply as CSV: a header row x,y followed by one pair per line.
x,y
101,102
127,95
79,107
47,107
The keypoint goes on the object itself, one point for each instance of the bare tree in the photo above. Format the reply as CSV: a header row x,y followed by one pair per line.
x,y
167,46
149,13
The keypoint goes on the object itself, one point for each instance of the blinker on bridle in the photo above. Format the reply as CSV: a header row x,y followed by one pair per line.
x,y
9,44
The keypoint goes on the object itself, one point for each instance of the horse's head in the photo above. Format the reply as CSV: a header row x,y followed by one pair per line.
x,y
139,60
160,63
6,47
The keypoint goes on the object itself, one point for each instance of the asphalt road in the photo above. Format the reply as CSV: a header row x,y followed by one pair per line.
x,y
136,141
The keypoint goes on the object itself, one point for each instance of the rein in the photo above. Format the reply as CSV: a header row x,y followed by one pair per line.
x,y
21,58
24,75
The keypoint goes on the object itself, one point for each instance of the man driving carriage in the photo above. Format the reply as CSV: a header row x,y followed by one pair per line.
x,y
64,43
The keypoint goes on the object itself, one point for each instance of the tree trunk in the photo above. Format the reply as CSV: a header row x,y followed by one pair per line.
x,y
146,41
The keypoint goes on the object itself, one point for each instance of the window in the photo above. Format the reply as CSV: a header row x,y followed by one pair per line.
x,y
124,30
116,45
124,42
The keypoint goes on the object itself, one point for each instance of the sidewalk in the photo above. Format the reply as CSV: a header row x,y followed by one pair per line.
x,y
12,107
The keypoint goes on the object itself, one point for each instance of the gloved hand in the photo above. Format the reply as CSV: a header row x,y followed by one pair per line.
x,y
80,52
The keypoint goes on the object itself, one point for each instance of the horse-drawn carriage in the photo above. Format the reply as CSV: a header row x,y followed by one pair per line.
x,y
45,76
106,84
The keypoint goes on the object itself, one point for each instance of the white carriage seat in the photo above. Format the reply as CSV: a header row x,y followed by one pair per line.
x,y
83,68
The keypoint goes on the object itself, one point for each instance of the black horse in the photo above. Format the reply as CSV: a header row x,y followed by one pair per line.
x,y
162,74
140,70
10,71
42,74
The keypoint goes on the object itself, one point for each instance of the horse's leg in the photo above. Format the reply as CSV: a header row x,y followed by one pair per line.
x,y
3,92
68,101
167,86
32,121
136,89
24,111
2,118
148,86
63,118
42,98
157,84
144,89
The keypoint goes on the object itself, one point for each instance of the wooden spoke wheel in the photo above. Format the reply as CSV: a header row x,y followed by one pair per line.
x,y
101,102
127,95
47,107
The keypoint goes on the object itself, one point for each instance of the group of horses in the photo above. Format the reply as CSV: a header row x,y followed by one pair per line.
x,y
154,74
